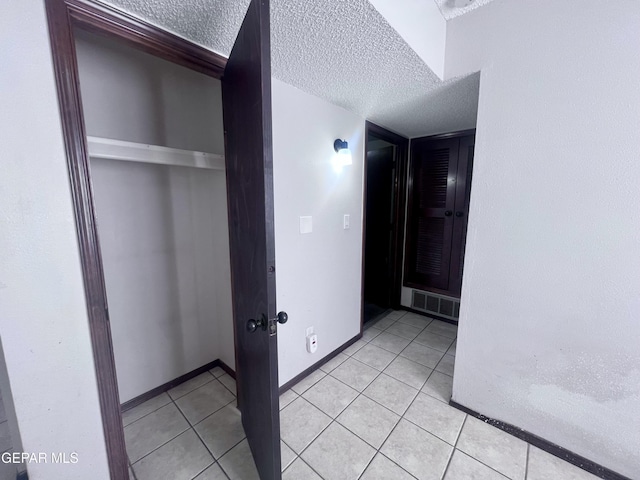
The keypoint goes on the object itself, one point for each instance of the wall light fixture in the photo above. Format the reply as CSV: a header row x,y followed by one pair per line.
x,y
343,153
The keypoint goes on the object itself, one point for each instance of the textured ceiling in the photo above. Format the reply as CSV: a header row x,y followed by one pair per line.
x,y
343,51
449,10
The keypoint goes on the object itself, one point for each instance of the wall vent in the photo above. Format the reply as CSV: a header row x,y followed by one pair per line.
x,y
441,305
419,300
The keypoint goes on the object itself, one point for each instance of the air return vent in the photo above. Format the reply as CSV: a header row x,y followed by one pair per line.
x,y
437,304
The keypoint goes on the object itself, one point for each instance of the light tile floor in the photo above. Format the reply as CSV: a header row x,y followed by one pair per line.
x,y
8,471
192,432
380,411
377,411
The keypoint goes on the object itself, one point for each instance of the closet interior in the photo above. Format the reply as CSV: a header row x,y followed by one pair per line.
x,y
156,147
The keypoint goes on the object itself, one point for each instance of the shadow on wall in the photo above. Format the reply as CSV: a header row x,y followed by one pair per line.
x,y
9,434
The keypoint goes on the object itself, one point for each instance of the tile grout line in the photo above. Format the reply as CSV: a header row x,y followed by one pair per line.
x,y
170,399
192,427
377,450
467,416
455,444
379,372
334,420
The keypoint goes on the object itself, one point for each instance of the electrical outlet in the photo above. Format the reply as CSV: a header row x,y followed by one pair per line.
x,y
312,343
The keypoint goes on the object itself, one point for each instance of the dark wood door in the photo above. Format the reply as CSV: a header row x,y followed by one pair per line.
x,y
463,195
431,212
379,226
246,94
439,193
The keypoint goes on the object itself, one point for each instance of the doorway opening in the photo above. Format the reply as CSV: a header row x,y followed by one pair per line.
x,y
384,211
172,202
156,152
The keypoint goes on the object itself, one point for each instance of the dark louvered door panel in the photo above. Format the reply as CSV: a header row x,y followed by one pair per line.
x,y
463,193
431,204
431,245
432,174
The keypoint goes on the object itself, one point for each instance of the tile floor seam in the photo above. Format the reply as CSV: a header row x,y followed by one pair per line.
x,y
314,383
427,381
133,472
405,410
334,420
376,402
147,414
196,388
425,430
201,471
488,466
431,433
310,467
368,463
455,445
385,441
217,460
319,433
362,392
235,394
395,463
192,427
446,468
157,448
379,346
421,329
408,385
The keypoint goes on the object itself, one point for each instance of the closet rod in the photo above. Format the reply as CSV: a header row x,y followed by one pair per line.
x,y
110,149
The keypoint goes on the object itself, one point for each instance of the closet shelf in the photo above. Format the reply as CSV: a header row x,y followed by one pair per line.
x,y
107,148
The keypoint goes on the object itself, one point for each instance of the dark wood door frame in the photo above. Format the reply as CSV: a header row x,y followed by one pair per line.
x,y
399,202
63,17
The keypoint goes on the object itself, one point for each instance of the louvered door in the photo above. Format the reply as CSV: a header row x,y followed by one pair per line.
x,y
439,185
463,193
431,205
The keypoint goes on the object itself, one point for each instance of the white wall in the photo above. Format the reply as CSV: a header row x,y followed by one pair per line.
x,y
549,331
165,248
163,230
43,316
421,24
318,276
130,95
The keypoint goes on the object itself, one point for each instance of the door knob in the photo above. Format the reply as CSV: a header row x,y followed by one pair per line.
x,y
448,213
263,322
459,214
252,325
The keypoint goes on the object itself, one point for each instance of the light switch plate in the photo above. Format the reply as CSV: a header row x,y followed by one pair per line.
x,y
347,221
306,225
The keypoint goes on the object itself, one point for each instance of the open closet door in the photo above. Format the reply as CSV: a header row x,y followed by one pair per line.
x,y
246,95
